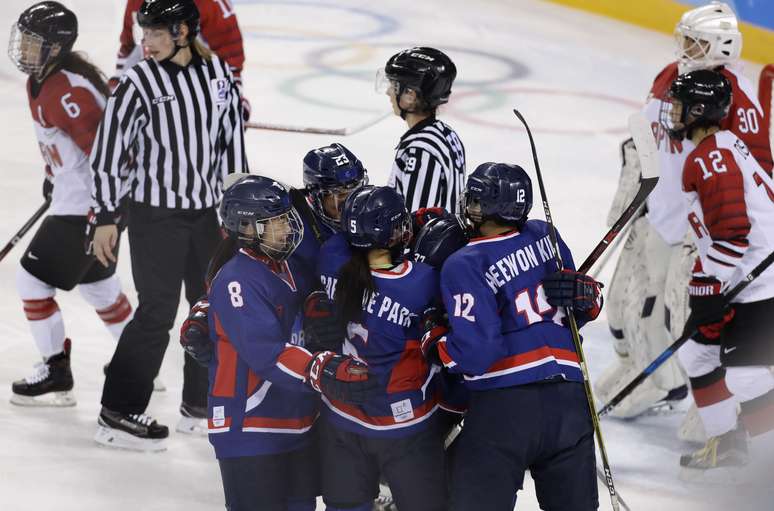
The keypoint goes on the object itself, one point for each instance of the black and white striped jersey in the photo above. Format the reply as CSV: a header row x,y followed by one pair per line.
x,y
429,167
168,136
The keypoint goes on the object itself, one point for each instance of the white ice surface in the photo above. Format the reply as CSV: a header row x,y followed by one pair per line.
x,y
575,77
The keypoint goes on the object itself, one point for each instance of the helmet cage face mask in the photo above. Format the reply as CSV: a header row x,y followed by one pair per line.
x,y
276,237
335,197
707,37
30,52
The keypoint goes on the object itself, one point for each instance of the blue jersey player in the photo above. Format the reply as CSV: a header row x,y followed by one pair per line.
x,y
507,337
263,389
380,296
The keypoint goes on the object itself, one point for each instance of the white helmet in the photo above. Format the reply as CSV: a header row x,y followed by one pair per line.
x,y
708,37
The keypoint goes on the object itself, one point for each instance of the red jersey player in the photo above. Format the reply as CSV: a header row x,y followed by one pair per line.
x,y
730,209
648,289
67,96
219,31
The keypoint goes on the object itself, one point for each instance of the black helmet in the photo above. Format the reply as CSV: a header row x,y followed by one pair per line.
x,y
498,191
428,71
170,14
46,26
697,99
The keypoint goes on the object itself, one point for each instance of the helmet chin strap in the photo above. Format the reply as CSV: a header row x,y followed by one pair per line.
x,y
175,39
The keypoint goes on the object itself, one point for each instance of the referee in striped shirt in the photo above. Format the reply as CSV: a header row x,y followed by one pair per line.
x,y
429,167
172,130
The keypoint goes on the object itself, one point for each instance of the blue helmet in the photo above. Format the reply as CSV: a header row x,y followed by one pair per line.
x,y
257,211
376,217
332,171
438,239
498,191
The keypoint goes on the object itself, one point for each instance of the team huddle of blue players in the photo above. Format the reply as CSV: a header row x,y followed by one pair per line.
x,y
342,346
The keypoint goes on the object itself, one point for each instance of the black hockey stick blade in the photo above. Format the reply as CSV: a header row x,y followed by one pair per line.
x,y
669,351
650,168
24,229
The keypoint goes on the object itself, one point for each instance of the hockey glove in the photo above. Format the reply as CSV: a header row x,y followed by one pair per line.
x,y
341,377
112,83
48,183
569,288
709,311
423,215
322,330
195,334
435,326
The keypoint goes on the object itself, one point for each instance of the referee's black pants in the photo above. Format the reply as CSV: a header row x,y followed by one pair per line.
x,y
168,246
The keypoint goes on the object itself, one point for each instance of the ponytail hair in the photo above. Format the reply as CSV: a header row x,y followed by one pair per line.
x,y
226,249
204,52
76,62
354,287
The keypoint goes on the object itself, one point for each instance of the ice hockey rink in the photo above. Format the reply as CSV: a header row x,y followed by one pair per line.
x,y
575,76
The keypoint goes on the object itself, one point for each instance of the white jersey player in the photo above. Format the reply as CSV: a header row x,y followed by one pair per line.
x,y
648,289
67,96
730,210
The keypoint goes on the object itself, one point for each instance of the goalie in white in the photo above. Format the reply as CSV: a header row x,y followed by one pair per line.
x,y
647,304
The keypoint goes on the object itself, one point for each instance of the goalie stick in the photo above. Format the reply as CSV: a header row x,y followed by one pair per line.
x,y
607,472
664,356
648,154
342,132
24,229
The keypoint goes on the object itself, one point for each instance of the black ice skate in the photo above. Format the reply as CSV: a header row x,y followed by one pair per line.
x,y
193,420
138,432
50,385
726,450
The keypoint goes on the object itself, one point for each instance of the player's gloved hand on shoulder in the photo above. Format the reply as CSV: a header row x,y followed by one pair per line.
x,y
195,333
709,311
112,83
435,325
323,331
341,377
423,215
568,288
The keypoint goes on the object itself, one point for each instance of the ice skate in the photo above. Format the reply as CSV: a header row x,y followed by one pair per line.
x,y
50,385
193,420
725,453
136,432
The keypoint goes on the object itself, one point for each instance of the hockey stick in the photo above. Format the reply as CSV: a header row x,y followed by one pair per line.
x,y
341,132
24,229
601,263
648,153
608,474
664,356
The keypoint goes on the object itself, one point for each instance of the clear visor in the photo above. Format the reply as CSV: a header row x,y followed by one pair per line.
x,y
277,237
29,51
402,234
383,85
332,199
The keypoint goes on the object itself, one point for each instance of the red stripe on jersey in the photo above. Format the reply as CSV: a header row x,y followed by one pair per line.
x,y
410,372
711,394
295,359
37,310
225,374
443,353
532,356
116,313
275,423
355,412
721,194
726,251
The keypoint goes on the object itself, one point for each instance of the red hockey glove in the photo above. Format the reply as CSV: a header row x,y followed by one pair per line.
x,y
709,311
195,333
569,288
322,330
112,83
341,377
423,215
435,326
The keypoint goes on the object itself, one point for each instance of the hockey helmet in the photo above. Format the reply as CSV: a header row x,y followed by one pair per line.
x,y
43,33
376,217
697,99
707,37
438,239
170,14
257,212
428,71
497,191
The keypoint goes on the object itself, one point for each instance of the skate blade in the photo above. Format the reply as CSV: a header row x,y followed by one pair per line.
x,y
724,476
192,426
158,385
51,399
118,439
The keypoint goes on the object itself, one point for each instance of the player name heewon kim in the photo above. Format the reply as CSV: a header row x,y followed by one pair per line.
x,y
524,259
